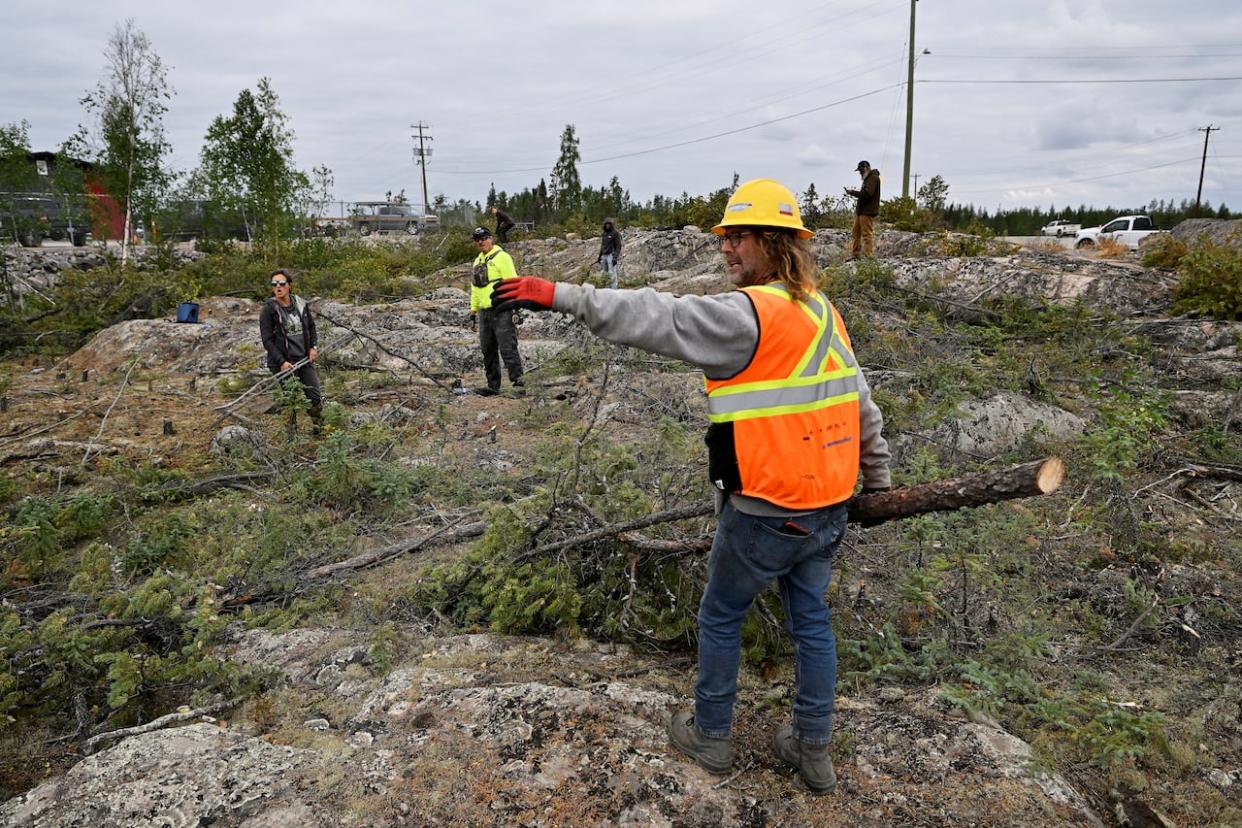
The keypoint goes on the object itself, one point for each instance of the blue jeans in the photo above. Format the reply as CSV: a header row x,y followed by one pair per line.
x,y
748,554
609,264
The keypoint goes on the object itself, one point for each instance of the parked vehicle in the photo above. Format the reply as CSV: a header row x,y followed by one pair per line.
x,y
29,218
1127,230
1059,228
385,217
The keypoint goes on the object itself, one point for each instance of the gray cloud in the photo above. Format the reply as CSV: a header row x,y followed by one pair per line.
x,y
498,82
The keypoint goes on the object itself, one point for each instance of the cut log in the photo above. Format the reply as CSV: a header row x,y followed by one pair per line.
x,y
1039,477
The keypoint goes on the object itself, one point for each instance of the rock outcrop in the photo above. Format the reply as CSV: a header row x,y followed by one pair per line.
x,y
485,730
1220,231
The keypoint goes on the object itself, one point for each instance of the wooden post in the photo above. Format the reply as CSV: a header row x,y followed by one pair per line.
x,y
168,428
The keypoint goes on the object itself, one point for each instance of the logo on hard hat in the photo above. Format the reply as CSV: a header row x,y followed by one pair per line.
x,y
785,209
741,205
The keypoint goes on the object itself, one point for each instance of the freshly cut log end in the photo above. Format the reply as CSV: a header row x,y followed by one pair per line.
x,y
1051,475
1039,477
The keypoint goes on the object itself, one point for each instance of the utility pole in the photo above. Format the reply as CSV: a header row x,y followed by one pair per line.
x,y
421,153
916,185
905,173
1207,133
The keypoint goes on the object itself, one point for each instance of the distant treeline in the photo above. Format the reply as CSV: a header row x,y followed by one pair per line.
x,y
589,206
1027,221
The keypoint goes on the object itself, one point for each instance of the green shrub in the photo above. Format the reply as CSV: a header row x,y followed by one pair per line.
x,y
344,481
1210,281
1127,429
903,213
1165,252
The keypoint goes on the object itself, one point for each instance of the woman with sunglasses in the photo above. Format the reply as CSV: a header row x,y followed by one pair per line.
x,y
288,331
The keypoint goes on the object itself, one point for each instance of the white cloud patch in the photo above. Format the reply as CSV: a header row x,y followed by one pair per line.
x,y
813,155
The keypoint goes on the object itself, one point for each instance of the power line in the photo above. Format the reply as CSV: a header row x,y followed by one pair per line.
x,y
1081,80
742,129
1071,50
677,144
1137,56
764,102
730,54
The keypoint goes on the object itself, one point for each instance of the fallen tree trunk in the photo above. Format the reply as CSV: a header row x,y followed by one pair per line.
x,y
1026,480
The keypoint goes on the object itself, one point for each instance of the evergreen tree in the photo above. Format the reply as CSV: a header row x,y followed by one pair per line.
x,y
810,207
566,185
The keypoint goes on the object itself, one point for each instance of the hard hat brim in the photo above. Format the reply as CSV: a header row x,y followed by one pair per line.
x,y
800,232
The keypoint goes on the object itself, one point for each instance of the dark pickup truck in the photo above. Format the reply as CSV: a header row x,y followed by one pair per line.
x,y
29,218
383,217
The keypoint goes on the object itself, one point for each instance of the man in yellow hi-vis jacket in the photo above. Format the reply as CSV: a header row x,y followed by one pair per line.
x,y
496,329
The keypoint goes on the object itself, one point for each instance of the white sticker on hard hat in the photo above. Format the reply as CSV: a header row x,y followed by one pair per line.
x,y
741,205
785,209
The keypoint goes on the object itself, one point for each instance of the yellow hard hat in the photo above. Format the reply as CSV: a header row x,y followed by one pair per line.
x,y
763,203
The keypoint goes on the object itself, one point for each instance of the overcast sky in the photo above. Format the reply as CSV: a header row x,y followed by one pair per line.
x,y
497,83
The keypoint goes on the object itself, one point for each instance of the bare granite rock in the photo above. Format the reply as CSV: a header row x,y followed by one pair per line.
x,y
1219,231
196,775
1002,422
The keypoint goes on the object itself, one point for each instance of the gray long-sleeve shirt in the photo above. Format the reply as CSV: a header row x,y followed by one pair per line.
x,y
718,334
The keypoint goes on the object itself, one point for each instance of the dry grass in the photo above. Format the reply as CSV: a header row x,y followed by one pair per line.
x,y
1047,246
1110,249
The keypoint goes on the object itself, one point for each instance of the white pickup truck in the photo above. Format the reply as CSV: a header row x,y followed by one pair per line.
x,y
1059,228
1127,230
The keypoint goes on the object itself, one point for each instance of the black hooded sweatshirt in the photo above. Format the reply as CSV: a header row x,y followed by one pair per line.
x,y
610,243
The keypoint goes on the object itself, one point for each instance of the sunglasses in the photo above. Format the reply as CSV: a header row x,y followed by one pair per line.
x,y
278,284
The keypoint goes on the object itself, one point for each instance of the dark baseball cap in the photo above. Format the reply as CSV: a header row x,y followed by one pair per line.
x,y
862,164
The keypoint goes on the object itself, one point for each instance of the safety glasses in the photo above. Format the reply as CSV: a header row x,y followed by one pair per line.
x,y
278,284
734,237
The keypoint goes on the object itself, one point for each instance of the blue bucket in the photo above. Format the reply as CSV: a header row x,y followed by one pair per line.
x,y
188,312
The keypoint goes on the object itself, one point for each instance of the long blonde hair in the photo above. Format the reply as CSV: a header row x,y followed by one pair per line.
x,y
793,262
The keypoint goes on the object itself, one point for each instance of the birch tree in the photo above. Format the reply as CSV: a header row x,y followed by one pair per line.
x,y
126,139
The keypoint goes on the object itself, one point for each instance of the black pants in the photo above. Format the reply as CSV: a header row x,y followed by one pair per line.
x,y
309,378
497,333
502,235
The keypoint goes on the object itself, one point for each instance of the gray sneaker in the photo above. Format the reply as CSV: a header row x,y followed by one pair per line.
x,y
812,761
715,755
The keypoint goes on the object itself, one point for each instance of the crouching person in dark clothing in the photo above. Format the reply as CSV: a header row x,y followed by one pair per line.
x,y
288,331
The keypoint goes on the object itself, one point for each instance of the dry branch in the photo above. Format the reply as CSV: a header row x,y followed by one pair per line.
x,y
24,434
87,454
155,724
441,537
211,484
225,410
385,349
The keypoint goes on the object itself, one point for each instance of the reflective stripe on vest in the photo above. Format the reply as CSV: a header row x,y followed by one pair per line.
x,y
786,429
826,375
